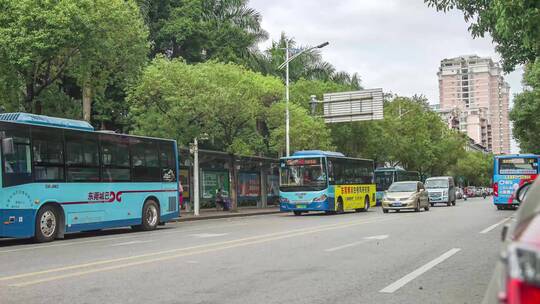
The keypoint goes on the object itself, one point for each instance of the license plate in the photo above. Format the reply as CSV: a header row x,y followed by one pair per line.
x,y
396,204
300,206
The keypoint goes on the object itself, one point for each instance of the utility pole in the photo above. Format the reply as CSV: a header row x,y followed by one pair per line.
x,y
196,205
287,140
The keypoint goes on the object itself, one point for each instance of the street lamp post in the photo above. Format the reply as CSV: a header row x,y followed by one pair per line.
x,y
286,66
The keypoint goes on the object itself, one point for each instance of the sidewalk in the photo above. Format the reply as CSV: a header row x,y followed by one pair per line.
x,y
206,214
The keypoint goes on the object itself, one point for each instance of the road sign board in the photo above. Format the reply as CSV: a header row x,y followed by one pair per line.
x,y
353,106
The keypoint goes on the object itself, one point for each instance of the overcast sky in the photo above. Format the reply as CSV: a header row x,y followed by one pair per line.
x,y
393,44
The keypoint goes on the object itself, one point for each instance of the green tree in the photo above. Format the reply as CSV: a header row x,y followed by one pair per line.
x,y
306,132
46,43
513,24
309,66
199,30
224,101
38,40
113,52
474,169
526,109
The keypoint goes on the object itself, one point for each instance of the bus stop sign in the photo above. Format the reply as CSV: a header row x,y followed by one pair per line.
x,y
353,106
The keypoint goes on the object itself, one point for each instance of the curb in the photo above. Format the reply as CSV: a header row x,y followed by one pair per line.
x,y
211,217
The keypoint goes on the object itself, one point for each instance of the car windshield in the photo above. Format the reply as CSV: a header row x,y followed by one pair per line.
x,y
402,187
436,183
303,174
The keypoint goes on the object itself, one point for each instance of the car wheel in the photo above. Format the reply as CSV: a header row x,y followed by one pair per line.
x,y
499,207
385,210
297,213
417,209
47,224
432,204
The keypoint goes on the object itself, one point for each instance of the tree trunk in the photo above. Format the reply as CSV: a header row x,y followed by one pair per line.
x,y
87,102
233,183
29,97
37,109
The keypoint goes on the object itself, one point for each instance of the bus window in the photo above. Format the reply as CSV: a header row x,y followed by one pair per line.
x,y
82,157
16,156
48,152
167,162
115,158
144,160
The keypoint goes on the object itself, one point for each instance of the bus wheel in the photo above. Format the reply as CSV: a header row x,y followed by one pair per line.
x,y
297,213
47,224
150,216
340,206
366,204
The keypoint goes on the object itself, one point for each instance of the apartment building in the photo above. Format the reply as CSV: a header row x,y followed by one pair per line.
x,y
473,90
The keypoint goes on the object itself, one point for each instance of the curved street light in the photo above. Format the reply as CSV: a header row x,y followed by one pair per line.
x,y
285,65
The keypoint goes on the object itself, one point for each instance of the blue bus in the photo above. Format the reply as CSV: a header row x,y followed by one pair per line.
x,y
60,176
385,176
325,181
509,173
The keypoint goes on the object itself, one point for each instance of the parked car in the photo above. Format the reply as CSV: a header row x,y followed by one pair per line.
x,y
405,195
459,193
517,274
441,189
470,191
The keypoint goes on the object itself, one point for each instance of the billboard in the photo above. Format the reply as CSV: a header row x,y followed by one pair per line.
x,y
211,180
353,106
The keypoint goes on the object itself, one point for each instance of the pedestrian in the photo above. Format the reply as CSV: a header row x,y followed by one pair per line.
x,y
220,200
180,195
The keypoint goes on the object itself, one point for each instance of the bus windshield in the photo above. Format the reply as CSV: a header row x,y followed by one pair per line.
x,y
303,174
522,165
384,179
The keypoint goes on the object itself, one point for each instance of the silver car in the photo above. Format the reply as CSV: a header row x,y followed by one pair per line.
x,y
405,195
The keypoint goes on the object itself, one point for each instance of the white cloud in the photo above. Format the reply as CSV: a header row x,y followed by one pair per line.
x,y
393,44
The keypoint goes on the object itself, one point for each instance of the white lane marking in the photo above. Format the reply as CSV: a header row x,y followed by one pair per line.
x,y
377,237
130,243
365,240
104,238
488,229
419,271
208,235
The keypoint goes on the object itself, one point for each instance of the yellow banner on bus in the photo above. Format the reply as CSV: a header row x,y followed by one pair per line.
x,y
355,196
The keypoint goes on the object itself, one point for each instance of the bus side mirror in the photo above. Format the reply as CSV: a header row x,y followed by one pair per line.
x,y
7,146
522,192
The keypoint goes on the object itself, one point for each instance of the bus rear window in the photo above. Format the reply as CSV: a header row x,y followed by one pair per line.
x,y
518,166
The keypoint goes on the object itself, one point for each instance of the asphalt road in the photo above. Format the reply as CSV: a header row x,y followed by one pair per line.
x,y
445,255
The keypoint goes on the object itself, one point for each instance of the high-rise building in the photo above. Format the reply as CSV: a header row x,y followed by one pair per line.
x,y
474,89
